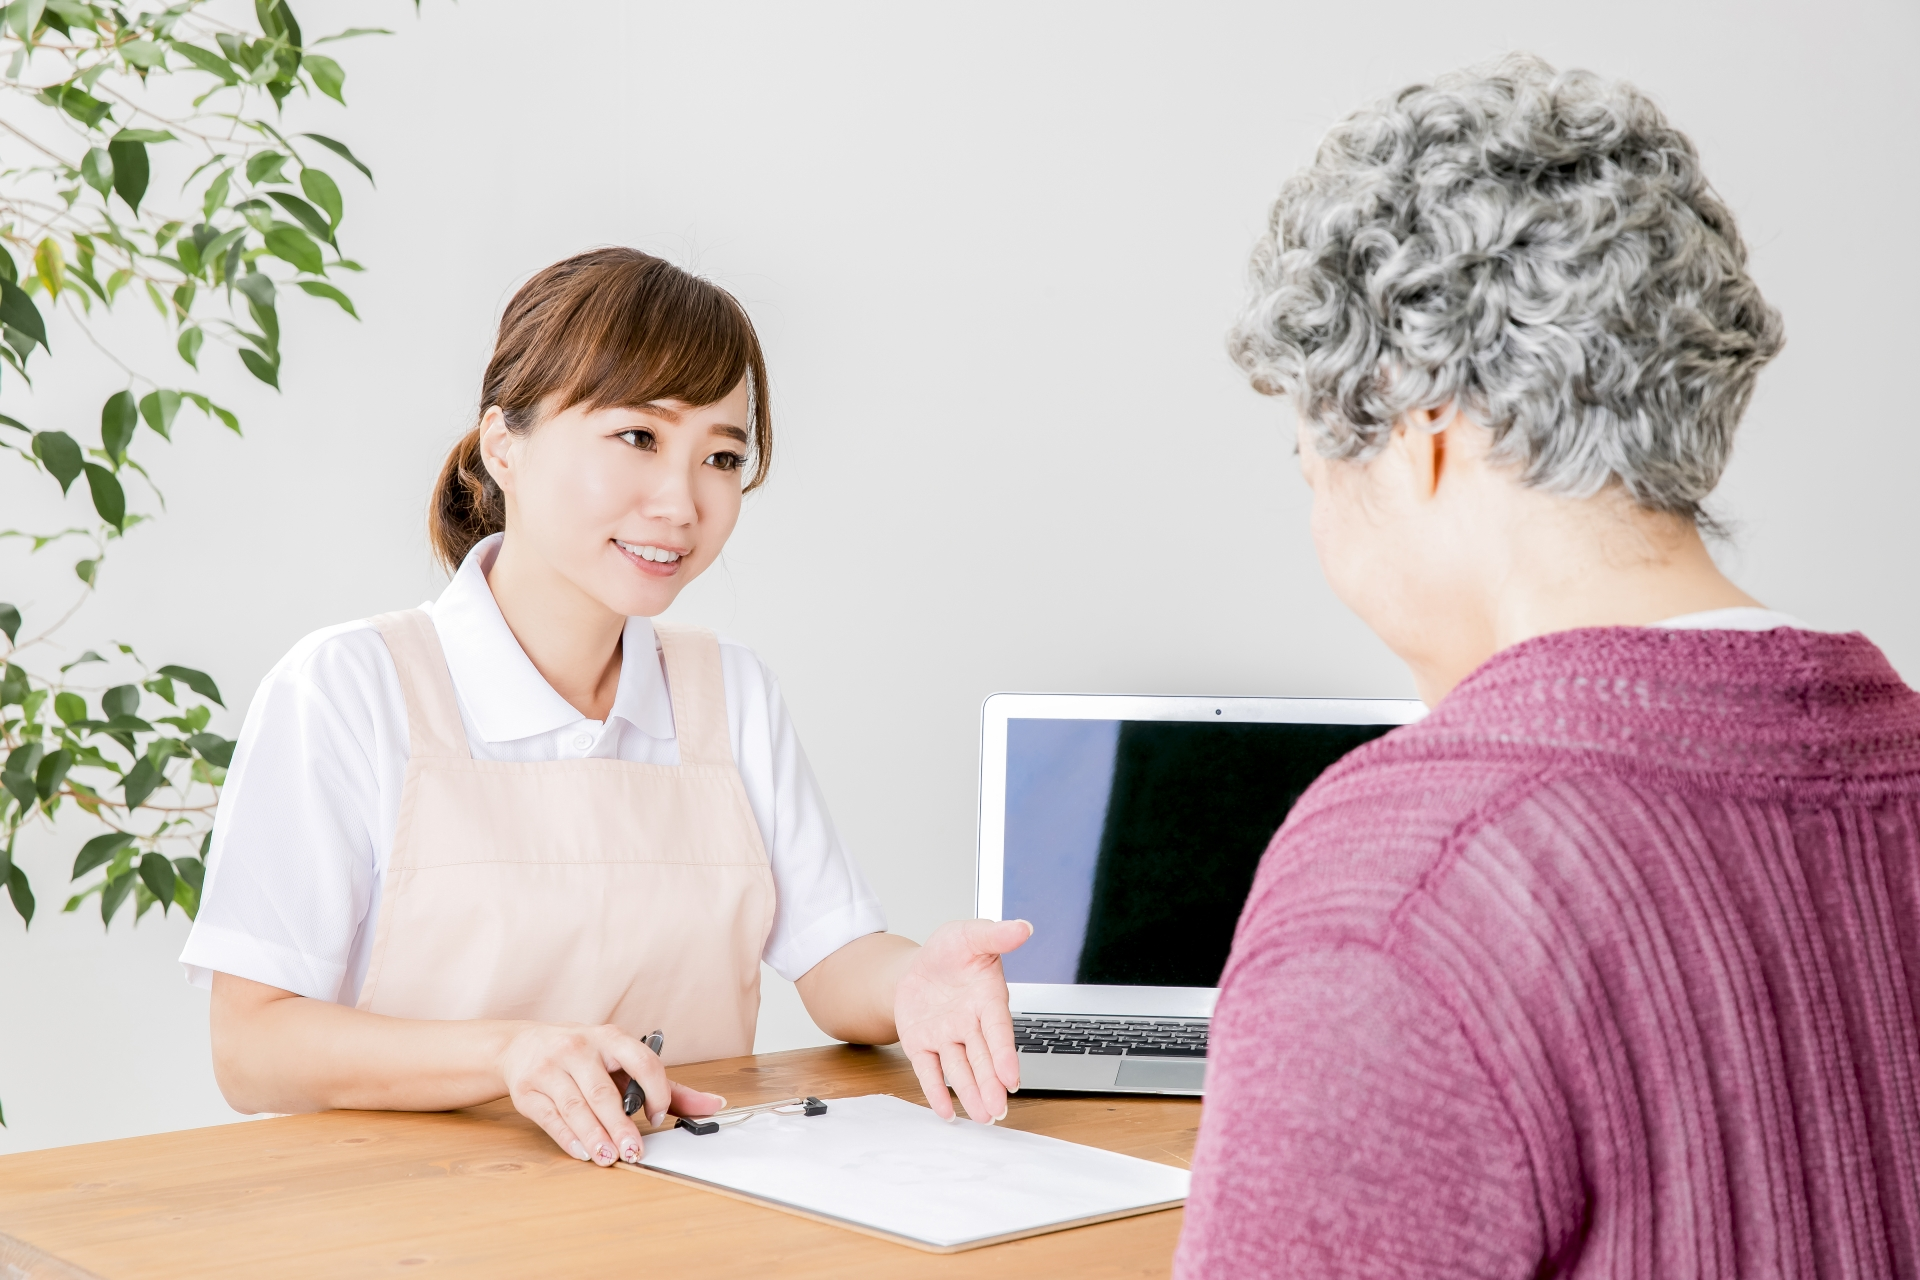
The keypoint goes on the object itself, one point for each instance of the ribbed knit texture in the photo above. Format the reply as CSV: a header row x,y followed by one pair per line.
x,y
1608,968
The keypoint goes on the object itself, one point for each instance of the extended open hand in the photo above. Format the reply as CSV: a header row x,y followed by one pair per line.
x,y
951,1012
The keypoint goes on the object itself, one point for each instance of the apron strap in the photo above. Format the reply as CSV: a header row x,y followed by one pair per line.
x,y
699,693
433,713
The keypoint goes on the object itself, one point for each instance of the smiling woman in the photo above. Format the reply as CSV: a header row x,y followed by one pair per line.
x,y
490,846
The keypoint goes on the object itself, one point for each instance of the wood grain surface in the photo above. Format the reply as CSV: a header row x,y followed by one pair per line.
x,y
483,1193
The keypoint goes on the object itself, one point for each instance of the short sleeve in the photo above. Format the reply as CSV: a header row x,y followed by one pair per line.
x,y
822,900
293,871
1350,1131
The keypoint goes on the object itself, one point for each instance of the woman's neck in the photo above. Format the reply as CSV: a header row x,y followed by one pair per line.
x,y
571,638
1560,565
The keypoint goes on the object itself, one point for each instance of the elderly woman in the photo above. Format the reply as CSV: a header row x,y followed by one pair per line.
x,y
1610,966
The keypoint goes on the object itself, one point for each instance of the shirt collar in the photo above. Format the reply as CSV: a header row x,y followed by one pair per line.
x,y
503,695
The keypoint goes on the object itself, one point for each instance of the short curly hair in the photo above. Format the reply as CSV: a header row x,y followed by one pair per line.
x,y
1536,249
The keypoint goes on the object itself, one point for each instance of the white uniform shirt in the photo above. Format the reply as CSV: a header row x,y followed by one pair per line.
x,y
307,817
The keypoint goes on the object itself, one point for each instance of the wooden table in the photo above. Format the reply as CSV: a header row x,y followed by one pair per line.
x,y
484,1193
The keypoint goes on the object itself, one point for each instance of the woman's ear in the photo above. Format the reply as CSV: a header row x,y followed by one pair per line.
x,y
496,447
1422,450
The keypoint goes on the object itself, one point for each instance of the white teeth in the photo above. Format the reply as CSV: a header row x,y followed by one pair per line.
x,y
658,555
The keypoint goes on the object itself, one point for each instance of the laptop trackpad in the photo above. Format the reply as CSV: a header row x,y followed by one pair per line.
x,y
1160,1073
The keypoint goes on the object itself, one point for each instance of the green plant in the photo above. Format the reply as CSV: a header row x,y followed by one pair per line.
x,y
99,103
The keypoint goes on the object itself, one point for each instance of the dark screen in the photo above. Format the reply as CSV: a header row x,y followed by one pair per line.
x,y
1131,845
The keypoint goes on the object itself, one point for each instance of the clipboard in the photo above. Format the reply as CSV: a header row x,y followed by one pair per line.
x,y
888,1168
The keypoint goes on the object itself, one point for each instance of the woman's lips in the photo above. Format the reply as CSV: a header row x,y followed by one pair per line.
x,y
652,568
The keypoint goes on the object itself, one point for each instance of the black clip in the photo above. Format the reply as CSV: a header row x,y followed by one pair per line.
x,y
813,1107
702,1127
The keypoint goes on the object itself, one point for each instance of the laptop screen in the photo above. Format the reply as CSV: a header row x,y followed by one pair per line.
x,y
1131,844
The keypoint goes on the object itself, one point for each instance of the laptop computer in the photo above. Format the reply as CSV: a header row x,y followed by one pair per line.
x,y
1127,829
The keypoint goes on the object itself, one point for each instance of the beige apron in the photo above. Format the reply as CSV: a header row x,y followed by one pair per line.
x,y
574,890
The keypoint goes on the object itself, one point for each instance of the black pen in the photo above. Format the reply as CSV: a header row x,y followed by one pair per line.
x,y
636,1096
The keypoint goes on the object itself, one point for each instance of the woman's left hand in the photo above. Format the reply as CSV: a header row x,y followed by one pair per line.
x,y
950,1009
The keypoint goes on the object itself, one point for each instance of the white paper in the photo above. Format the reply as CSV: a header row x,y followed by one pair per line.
x,y
887,1163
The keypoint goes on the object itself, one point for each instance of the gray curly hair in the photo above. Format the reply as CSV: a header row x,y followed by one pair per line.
x,y
1536,249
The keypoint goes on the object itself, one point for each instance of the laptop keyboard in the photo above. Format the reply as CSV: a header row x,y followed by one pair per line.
x,y
1132,1037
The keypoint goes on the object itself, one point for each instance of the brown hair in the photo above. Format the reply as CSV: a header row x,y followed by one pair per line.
x,y
612,327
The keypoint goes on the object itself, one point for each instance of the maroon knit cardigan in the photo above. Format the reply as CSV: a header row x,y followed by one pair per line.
x,y
1609,967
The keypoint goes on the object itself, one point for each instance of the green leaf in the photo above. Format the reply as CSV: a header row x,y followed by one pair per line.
x,y
189,344
96,170
61,455
18,312
340,149
297,247
118,419
51,266
22,894
70,707
327,75
78,103
10,622
13,689
321,289
158,873
52,772
121,700
213,748
323,191
130,171
142,780
305,214
144,53
20,786
116,893
268,371
88,656
109,499
99,851
351,32
216,197
207,60
23,16
144,135
257,286
266,167
192,870
198,681
159,409
85,569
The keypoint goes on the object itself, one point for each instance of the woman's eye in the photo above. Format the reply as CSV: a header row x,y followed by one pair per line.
x,y
726,460
638,438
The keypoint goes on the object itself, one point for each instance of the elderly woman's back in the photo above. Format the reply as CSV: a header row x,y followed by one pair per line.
x,y
1610,966
1606,968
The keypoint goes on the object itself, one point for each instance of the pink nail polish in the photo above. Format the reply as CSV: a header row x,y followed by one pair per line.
x,y
605,1154
631,1153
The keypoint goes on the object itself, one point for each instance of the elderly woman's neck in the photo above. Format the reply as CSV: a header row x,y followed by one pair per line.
x,y
1599,562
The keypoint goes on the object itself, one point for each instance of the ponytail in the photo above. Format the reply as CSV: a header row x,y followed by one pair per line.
x,y
467,504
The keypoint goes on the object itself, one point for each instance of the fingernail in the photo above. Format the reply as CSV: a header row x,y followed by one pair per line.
x,y
723,1103
579,1152
630,1152
1002,1116
604,1156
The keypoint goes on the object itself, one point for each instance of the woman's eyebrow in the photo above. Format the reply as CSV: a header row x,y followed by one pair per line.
x,y
731,432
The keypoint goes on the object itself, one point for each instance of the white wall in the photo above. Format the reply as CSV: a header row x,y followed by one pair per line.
x,y
992,249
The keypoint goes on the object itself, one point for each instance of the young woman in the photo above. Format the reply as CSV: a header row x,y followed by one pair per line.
x,y
484,847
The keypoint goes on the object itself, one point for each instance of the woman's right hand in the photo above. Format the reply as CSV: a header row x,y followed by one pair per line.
x,y
561,1077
